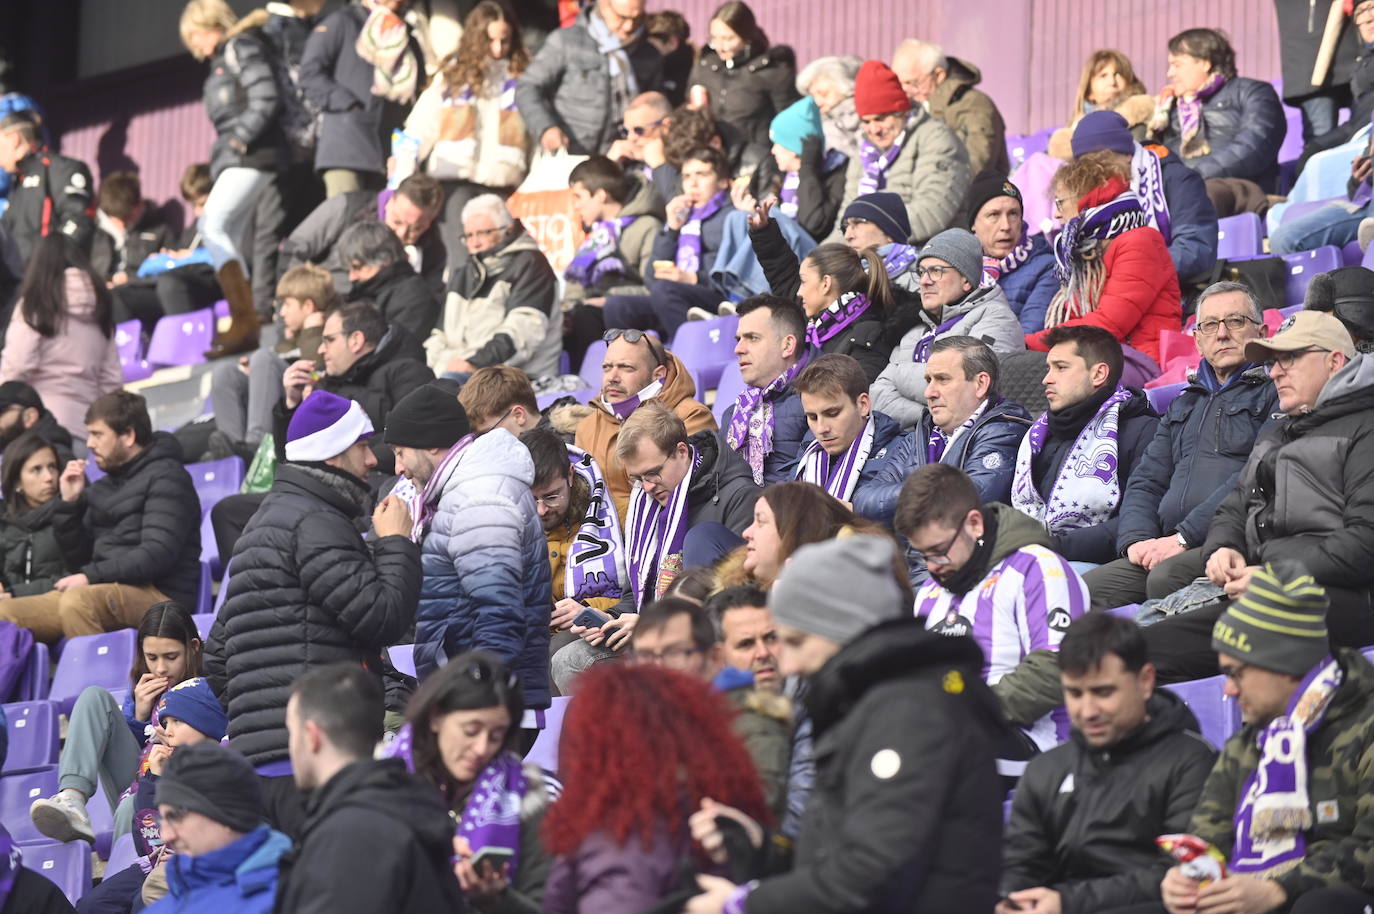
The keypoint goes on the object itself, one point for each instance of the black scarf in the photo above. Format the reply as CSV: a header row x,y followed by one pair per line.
x,y
1071,420
976,568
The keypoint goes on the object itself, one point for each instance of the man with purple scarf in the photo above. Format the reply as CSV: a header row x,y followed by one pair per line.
x,y
766,423
1076,460
1288,801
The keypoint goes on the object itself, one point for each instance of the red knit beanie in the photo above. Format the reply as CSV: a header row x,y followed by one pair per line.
x,y
877,90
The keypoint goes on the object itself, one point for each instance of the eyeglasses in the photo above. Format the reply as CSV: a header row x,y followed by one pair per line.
x,y
1233,673
634,336
1060,201
496,424
653,477
940,556
1234,322
1285,360
550,501
935,273
481,233
670,657
641,130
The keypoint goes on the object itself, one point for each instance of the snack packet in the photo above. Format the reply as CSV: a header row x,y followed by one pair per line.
x,y
1197,859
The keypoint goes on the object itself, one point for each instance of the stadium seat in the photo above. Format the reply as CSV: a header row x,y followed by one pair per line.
x,y
1020,148
123,854
35,679
209,547
93,660
1306,264
1128,611
1161,397
17,793
181,339
1240,236
102,820
66,865
203,623
205,597
129,342
33,733
1292,140
1217,716
729,388
544,752
1351,255
590,372
214,479
223,591
706,347
403,658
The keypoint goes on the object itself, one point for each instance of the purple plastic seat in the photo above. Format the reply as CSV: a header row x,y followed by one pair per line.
x,y
181,339
223,591
203,622
1217,716
544,752
35,679
1306,264
1020,148
727,391
205,597
590,370
209,548
214,479
1351,255
403,658
1240,236
66,865
123,854
1292,140
706,347
93,660
93,472
102,819
17,793
34,734
1161,397
1128,611
129,342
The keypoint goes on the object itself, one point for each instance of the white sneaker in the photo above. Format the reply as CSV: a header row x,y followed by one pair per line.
x,y
699,314
726,309
62,818
1366,233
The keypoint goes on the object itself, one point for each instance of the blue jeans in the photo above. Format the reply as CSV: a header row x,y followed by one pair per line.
x,y
665,310
1337,223
227,211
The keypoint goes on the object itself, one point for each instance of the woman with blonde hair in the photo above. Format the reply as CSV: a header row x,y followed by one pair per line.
x,y
242,103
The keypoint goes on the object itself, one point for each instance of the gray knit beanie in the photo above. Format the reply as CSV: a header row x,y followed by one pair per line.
x,y
839,588
959,248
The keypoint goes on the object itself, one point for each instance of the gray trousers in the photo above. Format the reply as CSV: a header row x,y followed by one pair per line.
x,y
243,402
100,752
1122,581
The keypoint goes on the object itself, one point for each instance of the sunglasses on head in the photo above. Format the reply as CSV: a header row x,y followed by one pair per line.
x,y
634,336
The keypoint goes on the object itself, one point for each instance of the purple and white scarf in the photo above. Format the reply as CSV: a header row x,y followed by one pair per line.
x,y
787,197
752,422
838,315
596,559
995,268
899,258
689,237
877,161
837,475
939,442
1087,490
433,490
1078,242
466,96
656,534
623,409
1147,182
1275,811
921,351
599,256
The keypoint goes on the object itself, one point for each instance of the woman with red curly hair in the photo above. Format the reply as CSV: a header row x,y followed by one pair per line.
x,y
1114,266
641,747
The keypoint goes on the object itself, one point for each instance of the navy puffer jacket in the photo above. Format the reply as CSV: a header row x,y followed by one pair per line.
x,y
789,430
1245,126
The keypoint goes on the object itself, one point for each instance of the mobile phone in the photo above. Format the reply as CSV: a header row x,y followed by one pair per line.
x,y
493,857
591,618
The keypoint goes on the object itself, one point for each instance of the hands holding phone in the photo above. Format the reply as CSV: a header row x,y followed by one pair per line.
x,y
479,877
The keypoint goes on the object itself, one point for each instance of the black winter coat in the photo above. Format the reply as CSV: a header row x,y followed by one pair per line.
x,y
1194,460
749,91
33,893
1098,542
722,489
46,176
147,236
374,839
48,428
403,297
140,525
355,130
241,101
1245,126
821,190
866,339
305,590
33,561
1084,820
906,811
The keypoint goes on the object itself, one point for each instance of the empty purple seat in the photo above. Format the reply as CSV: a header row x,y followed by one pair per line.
x,y
214,479
93,472
706,347
728,390
544,752
129,342
223,591
35,680
181,339
1351,255
1161,397
590,371
1218,716
1129,611
1306,264
102,821
1292,140
205,597
123,854
209,546
1240,236
403,658
1020,148
203,623
66,865
93,660
17,793
34,733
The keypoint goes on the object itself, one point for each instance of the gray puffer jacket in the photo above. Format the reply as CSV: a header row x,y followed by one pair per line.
x,y
568,85
900,391
1307,493
931,174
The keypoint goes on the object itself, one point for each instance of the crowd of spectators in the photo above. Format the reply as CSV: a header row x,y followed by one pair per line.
x,y
881,625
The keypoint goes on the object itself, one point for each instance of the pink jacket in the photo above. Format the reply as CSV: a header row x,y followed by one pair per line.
x,y
71,369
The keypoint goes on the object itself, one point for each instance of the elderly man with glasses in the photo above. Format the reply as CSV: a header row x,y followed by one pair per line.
x,y
1305,495
1195,457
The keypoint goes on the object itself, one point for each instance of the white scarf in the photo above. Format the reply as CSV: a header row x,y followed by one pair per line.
x,y
656,533
837,475
1147,181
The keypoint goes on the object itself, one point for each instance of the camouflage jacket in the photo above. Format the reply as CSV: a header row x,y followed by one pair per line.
x,y
1340,787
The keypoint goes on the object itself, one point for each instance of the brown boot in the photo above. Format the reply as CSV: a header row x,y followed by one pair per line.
x,y
242,335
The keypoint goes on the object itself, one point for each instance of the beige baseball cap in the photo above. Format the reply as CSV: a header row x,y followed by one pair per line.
x,y
1304,330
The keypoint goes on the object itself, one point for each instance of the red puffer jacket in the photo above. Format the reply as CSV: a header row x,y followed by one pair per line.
x,y
1140,296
